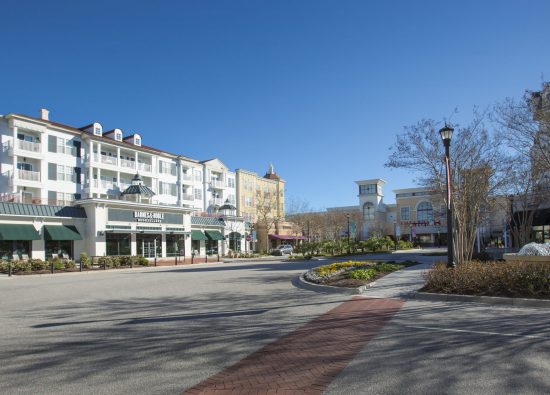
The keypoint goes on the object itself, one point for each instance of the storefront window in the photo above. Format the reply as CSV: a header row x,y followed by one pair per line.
x,y
211,247
235,241
196,246
118,243
10,247
175,245
59,247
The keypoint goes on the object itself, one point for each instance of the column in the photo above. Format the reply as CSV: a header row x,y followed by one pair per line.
x,y
133,245
163,245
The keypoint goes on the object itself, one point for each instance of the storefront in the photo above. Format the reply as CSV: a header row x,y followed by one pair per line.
x,y
120,227
40,231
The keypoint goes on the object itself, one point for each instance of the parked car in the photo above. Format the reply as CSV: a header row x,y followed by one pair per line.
x,y
283,249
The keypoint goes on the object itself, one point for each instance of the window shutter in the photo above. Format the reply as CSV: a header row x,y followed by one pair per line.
x,y
52,171
77,171
52,197
77,146
52,144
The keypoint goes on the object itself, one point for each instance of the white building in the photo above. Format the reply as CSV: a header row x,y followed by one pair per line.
x,y
50,164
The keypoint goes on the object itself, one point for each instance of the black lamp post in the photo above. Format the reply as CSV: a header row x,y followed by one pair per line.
x,y
446,134
349,247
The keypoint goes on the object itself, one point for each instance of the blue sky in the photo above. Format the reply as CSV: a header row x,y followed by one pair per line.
x,y
318,88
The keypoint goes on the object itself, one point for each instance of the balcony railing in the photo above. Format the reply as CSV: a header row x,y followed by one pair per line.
x,y
127,164
187,197
27,199
217,184
108,160
215,202
186,177
145,167
28,146
28,175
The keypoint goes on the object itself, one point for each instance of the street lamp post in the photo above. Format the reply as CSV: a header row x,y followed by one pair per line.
x,y
349,248
446,134
395,234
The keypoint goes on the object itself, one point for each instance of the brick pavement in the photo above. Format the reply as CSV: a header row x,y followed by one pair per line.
x,y
306,360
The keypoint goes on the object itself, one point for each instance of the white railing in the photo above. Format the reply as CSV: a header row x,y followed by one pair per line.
x,y
28,146
146,167
186,177
187,197
127,164
28,175
109,160
215,202
217,184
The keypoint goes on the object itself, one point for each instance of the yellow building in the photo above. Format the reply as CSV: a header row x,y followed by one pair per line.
x,y
261,201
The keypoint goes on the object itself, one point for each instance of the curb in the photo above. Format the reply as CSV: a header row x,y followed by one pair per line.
x,y
303,283
490,300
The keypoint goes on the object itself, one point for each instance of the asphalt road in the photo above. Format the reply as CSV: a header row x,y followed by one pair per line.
x,y
162,331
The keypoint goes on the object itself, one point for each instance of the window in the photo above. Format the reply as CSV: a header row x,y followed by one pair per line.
x,y
65,173
405,214
118,136
232,199
370,189
167,168
167,188
424,212
198,176
65,146
368,211
231,182
25,137
137,141
198,194
97,131
64,198
24,166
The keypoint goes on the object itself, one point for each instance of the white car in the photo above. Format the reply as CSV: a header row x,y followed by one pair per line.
x,y
283,249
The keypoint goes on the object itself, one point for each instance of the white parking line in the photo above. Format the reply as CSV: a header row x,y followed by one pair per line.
x,y
477,332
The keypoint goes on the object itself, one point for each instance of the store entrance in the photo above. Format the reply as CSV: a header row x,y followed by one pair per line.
x,y
149,246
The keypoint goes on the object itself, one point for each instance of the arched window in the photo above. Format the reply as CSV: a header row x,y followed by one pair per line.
x,y
368,211
424,212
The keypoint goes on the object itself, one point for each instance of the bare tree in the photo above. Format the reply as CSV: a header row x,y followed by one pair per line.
x,y
267,213
477,169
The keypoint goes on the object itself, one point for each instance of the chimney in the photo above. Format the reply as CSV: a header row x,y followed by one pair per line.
x,y
44,114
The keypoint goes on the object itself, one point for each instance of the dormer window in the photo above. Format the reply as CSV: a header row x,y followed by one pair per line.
x,y
118,136
137,141
97,131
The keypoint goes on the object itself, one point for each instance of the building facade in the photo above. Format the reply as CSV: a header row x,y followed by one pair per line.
x,y
105,193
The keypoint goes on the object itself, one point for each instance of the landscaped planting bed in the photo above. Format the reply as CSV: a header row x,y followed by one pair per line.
x,y
509,279
353,274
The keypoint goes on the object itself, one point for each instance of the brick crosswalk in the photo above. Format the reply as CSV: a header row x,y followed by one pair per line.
x,y
306,360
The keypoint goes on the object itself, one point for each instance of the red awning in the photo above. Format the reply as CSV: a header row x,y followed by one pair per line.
x,y
286,237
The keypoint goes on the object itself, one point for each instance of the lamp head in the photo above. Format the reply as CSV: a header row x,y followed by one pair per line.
x,y
446,133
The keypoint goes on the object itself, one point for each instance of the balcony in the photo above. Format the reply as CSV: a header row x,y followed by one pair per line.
x,y
188,198
127,164
187,179
108,160
215,202
22,147
145,167
218,184
28,175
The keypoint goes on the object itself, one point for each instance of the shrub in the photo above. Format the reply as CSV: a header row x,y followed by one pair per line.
x,y
142,261
404,245
69,264
85,260
4,266
386,267
333,268
57,263
125,260
21,266
104,261
362,274
115,261
38,264
513,279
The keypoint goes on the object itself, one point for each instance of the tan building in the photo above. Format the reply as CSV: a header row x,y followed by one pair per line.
x,y
261,202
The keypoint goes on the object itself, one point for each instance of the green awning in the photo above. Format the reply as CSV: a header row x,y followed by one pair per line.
x,y
62,232
213,235
18,232
198,235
